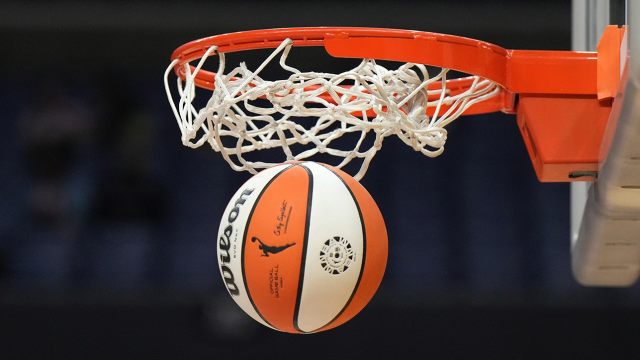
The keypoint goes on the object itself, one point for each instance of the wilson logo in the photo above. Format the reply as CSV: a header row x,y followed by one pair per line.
x,y
224,244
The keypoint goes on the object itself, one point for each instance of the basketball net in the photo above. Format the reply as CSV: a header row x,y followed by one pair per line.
x,y
246,113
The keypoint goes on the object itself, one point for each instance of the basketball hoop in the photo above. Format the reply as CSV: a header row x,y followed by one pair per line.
x,y
306,112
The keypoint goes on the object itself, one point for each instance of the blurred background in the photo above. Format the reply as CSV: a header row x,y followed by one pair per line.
x,y
108,224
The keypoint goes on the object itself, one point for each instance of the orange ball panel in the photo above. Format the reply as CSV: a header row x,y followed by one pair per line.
x,y
273,247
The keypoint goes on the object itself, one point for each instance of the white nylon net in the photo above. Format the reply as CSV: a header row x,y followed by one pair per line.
x,y
307,112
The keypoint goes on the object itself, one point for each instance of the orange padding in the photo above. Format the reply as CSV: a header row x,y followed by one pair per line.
x,y
608,71
563,134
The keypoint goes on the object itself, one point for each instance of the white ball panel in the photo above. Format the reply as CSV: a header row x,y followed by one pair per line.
x,y
335,240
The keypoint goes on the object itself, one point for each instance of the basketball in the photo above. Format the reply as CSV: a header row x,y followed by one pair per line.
x,y
302,247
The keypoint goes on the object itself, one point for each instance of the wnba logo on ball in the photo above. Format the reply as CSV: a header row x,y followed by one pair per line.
x,y
336,255
224,244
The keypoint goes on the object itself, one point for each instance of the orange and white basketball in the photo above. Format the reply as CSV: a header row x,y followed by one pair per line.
x,y
302,247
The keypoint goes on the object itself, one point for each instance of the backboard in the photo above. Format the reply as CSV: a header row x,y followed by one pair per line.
x,y
605,215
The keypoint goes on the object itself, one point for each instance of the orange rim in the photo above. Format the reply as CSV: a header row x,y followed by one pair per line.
x,y
516,71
